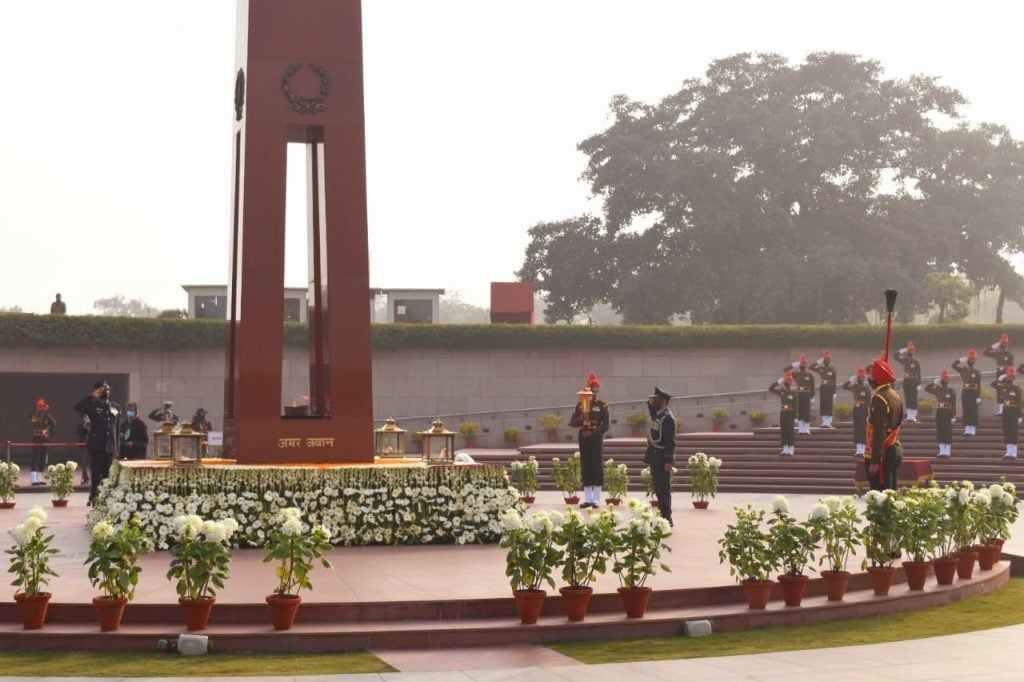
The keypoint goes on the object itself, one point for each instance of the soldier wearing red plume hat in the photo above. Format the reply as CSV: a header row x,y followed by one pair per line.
x,y
970,394
783,388
858,386
945,410
885,417
43,424
827,373
1011,412
593,422
911,378
804,382
1000,352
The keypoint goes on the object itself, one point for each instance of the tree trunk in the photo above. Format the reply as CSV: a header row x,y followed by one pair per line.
x,y
999,305
942,313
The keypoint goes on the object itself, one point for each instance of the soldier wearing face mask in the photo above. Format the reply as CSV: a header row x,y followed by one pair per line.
x,y
102,442
134,434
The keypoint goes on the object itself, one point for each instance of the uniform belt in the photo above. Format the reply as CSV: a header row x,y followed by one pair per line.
x,y
787,409
827,383
945,406
40,433
970,387
1010,404
860,403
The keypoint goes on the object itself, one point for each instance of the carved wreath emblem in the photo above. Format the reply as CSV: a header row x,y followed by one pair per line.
x,y
306,105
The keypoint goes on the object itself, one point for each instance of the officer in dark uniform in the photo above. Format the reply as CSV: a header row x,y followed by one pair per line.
x,y
804,380
911,378
885,417
970,394
1003,356
592,426
661,449
1011,413
43,424
787,412
827,372
945,411
102,442
858,386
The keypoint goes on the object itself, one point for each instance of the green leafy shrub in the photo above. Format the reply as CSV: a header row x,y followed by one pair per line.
x,y
842,411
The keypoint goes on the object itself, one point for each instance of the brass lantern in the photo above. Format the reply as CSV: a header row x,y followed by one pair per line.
x,y
389,440
162,441
586,398
186,446
438,444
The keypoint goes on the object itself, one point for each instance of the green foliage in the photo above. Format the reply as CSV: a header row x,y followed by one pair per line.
x,y
568,475
792,542
636,420
757,417
747,547
842,411
703,475
532,553
919,513
511,434
523,475
8,480
586,546
469,429
616,479
719,415
951,294
113,558
61,478
645,476
926,406
31,554
881,534
200,559
550,422
297,548
640,544
173,314
838,523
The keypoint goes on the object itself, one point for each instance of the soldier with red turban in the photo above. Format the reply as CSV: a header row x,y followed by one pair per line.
x,y
804,381
970,394
1011,412
593,424
886,414
945,410
43,424
1003,356
858,386
827,372
911,378
787,412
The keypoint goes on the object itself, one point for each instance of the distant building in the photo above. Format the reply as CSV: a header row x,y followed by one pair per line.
x,y
413,306
512,302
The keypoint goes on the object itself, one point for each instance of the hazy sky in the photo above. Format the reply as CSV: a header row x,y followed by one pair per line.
x,y
115,122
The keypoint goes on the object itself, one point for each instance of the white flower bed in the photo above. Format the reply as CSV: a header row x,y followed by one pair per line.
x,y
361,505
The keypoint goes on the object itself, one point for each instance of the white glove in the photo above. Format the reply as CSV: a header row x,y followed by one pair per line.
x,y
901,351
963,360
978,400
795,365
821,361
952,420
995,345
853,379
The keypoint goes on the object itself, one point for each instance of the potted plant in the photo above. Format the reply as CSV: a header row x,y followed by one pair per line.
x,y
8,484
61,478
793,544
638,548
200,563
757,418
881,540
550,424
652,494
586,548
926,406
945,559
531,558
296,547
918,513
965,521
993,510
524,478
568,477
637,422
511,434
1005,511
838,523
719,416
616,481
469,431
30,564
842,411
703,478
113,563
748,549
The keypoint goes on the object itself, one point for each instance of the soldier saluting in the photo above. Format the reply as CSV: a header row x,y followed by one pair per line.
x,y
970,394
1003,356
911,378
1011,413
858,386
804,380
827,373
945,410
787,412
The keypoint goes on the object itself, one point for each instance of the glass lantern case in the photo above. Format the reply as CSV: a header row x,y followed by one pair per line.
x,y
162,441
186,446
438,444
389,440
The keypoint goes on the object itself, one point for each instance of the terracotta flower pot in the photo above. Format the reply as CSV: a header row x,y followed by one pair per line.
x,y
511,444
552,436
758,592
965,567
945,569
635,600
6,505
998,542
836,583
576,600
881,578
197,612
528,604
575,499
527,499
32,609
613,501
109,612
59,503
283,608
917,573
717,426
793,588
700,504
988,556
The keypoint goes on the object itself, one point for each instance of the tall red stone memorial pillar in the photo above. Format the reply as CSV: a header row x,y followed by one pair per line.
x,y
299,80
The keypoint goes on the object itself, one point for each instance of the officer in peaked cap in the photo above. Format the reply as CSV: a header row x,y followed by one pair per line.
x,y
661,449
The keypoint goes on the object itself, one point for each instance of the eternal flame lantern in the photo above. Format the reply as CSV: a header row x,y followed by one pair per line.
x,y
162,441
586,397
438,444
186,446
390,440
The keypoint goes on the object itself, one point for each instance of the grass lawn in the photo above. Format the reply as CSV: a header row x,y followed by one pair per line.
x,y
997,609
158,664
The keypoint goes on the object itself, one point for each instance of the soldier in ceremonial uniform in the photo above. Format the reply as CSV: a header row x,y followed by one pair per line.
x,y
102,442
787,412
592,426
661,449
828,387
885,417
858,386
911,378
804,381
43,424
970,394
1011,413
1003,356
945,411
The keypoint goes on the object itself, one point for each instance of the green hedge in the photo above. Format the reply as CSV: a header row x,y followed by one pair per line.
x,y
20,330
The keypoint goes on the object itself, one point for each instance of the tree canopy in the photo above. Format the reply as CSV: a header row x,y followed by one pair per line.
x,y
768,191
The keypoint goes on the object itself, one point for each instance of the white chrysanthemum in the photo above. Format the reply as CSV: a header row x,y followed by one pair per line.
x,y
780,504
541,522
1008,499
899,505
995,490
511,521
230,526
661,525
21,534
321,533
574,516
1010,488
292,527
963,496
872,496
38,512
14,468
833,502
715,462
983,497
51,468
72,466
819,511
103,530
214,531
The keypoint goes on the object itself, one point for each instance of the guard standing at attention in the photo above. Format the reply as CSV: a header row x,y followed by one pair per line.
x,y
787,412
970,394
804,380
911,378
43,424
858,386
827,372
886,414
945,411
1011,413
661,450
593,421
1000,352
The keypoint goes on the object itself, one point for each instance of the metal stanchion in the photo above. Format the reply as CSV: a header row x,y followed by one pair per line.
x,y
8,453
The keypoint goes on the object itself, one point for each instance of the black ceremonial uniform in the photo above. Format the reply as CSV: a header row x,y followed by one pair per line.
x,y
945,410
970,394
1011,417
661,450
803,379
787,413
102,441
